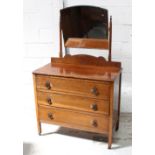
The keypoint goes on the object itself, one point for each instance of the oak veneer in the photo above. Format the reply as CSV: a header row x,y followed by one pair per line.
x,y
84,97
81,87
89,43
67,100
74,119
81,91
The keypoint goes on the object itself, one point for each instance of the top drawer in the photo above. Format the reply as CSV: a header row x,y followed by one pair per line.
x,y
76,86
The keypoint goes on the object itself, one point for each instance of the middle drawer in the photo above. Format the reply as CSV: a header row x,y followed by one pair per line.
x,y
73,102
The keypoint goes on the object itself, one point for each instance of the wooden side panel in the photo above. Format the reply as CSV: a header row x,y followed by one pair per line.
x,y
111,116
73,102
74,119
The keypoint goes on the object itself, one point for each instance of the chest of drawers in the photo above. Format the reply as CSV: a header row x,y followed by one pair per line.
x,y
78,97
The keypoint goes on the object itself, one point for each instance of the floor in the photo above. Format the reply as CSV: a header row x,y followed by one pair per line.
x,y
63,141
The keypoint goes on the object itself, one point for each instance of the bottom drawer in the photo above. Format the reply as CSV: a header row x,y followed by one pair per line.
x,y
73,119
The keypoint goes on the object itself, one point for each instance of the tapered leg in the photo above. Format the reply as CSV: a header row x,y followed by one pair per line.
x,y
39,127
109,141
110,133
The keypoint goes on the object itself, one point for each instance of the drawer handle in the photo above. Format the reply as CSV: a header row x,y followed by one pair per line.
x,y
94,91
93,106
49,100
48,85
50,116
94,123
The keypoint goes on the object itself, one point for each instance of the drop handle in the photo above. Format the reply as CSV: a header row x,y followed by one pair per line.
x,y
94,91
93,106
50,116
49,100
48,85
94,123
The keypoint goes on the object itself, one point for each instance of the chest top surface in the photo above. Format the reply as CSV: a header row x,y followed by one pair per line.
x,y
81,71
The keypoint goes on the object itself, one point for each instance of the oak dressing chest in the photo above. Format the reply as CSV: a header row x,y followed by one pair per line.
x,y
80,91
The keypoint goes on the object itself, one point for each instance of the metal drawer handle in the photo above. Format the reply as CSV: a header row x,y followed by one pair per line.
x,y
49,100
94,91
50,116
48,85
94,123
93,106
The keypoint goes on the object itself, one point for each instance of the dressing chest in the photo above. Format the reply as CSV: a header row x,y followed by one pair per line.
x,y
80,91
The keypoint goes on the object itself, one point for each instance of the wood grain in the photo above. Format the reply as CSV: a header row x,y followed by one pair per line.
x,y
74,119
80,72
73,102
83,59
75,86
87,43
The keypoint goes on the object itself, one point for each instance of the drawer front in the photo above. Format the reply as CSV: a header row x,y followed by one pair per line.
x,y
73,102
67,118
76,86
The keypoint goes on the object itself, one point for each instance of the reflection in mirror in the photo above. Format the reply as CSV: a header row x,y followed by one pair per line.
x,y
85,22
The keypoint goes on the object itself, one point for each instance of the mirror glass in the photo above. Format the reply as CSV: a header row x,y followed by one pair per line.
x,y
84,22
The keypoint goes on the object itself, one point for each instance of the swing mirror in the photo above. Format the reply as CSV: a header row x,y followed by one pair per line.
x,y
84,27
